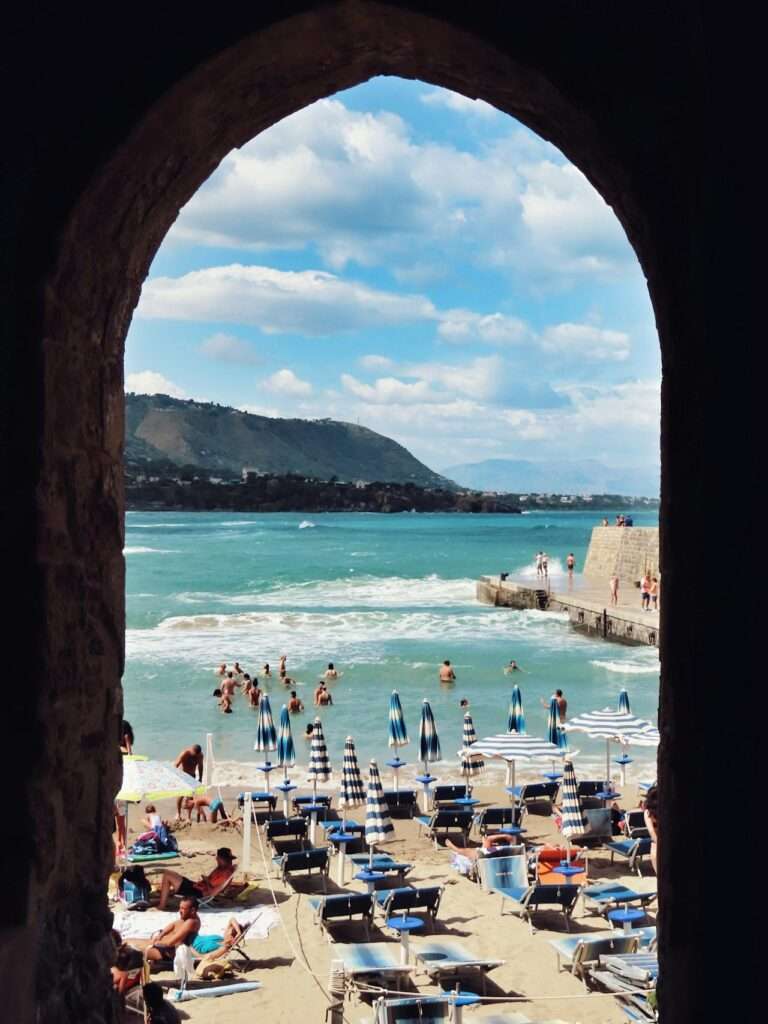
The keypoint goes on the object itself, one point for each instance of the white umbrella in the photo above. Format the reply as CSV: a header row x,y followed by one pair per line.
x,y
614,726
514,747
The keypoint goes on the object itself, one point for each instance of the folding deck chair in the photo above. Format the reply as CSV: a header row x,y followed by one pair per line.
x,y
632,849
442,959
508,878
395,901
581,953
330,910
442,822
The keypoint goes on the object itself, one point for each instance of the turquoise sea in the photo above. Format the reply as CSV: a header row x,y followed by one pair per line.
x,y
386,598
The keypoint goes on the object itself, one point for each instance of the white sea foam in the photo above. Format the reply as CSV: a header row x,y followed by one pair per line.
x,y
154,526
554,566
306,524
634,668
148,551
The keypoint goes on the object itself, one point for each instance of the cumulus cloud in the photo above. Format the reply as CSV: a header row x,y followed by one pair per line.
x,y
148,382
309,302
586,341
458,103
375,362
285,382
226,348
462,325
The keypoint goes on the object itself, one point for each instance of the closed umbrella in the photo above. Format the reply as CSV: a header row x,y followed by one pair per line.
x,y
516,718
286,755
623,759
319,769
573,820
623,703
555,731
378,824
266,736
351,794
471,763
398,735
429,748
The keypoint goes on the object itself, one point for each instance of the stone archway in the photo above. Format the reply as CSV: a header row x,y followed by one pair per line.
x,y
620,98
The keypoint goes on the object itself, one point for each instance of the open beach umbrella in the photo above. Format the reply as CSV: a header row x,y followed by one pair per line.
x,y
429,748
398,735
154,780
378,824
512,747
574,822
472,763
623,703
266,735
516,718
614,726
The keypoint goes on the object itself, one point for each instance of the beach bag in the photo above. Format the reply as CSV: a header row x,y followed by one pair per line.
x,y
166,843
134,887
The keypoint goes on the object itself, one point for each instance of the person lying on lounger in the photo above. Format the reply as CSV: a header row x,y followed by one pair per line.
x,y
181,932
473,852
172,883
212,947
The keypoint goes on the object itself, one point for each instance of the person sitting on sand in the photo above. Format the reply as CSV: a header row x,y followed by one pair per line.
x,y
162,945
153,821
447,675
331,674
294,704
172,883
190,761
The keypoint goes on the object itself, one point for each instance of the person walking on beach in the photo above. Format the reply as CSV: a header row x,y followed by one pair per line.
x,y
645,593
294,704
614,585
190,761
447,675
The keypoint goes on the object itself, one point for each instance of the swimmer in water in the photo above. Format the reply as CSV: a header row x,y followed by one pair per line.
x,y
330,673
447,675
265,671
512,667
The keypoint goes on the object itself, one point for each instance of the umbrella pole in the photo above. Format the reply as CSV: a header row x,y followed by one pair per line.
x,y
608,763
396,777
245,860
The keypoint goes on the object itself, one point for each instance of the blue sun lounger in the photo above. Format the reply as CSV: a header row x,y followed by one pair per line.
x,y
508,878
330,910
284,834
444,821
401,802
382,862
632,849
443,958
446,796
425,1009
395,901
362,959
491,819
604,896
581,953
298,861
534,792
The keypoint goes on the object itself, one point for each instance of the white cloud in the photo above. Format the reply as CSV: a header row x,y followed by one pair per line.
x,y
226,348
285,382
586,341
479,378
374,362
458,103
388,390
462,325
148,382
309,302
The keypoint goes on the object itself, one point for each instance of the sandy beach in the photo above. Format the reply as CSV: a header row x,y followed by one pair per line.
x,y
292,964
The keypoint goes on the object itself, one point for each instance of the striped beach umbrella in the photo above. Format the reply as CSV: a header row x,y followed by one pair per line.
x,y
378,824
351,788
516,718
319,764
573,820
623,704
512,747
472,763
614,726
398,736
266,734
555,731
286,751
429,742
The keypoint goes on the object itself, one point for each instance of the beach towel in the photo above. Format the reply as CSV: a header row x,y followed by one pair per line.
x,y
141,926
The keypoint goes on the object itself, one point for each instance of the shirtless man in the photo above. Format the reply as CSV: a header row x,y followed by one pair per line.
x,y
447,675
512,667
229,685
237,671
163,944
254,695
294,704
330,673
221,670
570,563
614,586
562,705
191,762
281,664
654,592
322,696
202,804
645,593
172,882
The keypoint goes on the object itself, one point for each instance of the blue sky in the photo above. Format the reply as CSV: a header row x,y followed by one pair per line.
x,y
419,262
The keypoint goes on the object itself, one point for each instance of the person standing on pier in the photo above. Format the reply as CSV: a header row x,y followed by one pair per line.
x,y
539,563
614,585
570,563
645,592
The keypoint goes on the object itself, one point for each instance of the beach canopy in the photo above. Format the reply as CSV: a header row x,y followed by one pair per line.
x,y
398,734
266,734
351,789
617,727
154,780
555,731
623,703
286,751
472,763
378,824
319,764
516,718
512,747
573,821
429,742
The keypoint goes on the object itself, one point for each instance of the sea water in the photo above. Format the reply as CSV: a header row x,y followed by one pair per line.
x,y
386,598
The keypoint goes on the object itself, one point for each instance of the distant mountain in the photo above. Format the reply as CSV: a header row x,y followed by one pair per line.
x,y
217,437
588,476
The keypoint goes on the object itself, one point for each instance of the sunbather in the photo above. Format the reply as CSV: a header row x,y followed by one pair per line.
x,y
212,947
181,932
465,856
172,883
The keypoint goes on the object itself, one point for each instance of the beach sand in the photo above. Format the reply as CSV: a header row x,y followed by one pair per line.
x,y
294,993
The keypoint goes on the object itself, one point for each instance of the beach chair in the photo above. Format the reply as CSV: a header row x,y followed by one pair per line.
x,y
635,826
331,910
639,969
260,802
581,953
402,803
633,850
383,863
513,850
364,959
299,861
604,896
284,834
426,1009
545,866
442,822
446,796
301,802
407,900
443,959
586,789
598,830
492,818
534,792
508,878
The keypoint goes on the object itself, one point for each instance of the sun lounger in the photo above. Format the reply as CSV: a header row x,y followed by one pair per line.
x,y
331,910
301,802
588,788
298,861
395,901
635,826
287,834
604,896
382,862
362,959
508,878
446,796
490,819
534,792
444,821
598,829
425,1009
260,801
641,969
546,865
401,802
632,849
581,953
443,958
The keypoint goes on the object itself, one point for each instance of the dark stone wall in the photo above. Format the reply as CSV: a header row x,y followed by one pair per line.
x,y
114,117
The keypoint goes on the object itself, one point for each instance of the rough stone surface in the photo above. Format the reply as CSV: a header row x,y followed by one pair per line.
x,y
629,552
114,120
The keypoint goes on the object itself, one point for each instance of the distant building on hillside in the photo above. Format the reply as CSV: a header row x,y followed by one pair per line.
x,y
249,473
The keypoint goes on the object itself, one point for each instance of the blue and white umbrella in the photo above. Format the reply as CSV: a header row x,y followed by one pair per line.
x,y
378,824
617,727
555,731
472,763
286,751
351,788
266,735
319,764
429,742
516,718
512,747
573,820
623,704
398,735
